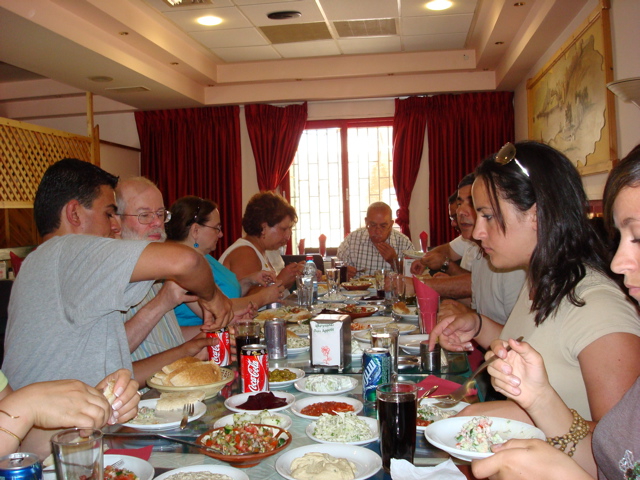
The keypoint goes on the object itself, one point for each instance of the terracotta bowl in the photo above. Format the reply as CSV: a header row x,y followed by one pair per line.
x,y
248,460
356,285
360,311
210,389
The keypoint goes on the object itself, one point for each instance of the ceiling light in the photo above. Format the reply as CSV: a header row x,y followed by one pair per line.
x,y
174,2
284,15
438,4
519,4
101,79
209,20
499,43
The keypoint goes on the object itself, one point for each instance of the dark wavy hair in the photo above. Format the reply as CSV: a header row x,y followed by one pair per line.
x,y
625,174
266,207
66,180
566,242
185,212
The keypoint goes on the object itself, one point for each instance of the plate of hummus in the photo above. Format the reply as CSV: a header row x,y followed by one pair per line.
x,y
323,461
149,418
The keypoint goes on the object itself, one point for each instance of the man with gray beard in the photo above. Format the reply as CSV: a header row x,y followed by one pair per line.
x,y
154,336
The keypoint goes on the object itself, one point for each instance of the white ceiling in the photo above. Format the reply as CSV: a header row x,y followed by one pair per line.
x,y
476,44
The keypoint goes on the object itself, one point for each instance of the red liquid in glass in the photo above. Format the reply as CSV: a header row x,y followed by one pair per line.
x,y
397,430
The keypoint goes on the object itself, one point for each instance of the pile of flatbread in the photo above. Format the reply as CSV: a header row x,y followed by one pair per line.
x,y
188,372
290,314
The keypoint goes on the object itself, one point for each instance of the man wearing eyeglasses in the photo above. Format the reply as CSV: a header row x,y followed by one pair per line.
x,y
374,246
65,312
155,338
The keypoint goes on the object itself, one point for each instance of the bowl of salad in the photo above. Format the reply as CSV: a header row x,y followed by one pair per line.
x,y
246,445
358,311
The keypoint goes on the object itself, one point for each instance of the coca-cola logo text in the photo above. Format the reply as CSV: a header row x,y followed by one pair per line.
x,y
215,353
253,368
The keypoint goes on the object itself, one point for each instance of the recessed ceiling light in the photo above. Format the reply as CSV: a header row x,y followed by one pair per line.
x,y
209,20
519,4
438,4
499,43
284,15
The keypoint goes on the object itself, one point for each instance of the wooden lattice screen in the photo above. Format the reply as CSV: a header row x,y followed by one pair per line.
x,y
26,151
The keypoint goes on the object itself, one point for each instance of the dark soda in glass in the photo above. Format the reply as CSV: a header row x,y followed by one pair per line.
x,y
397,415
243,340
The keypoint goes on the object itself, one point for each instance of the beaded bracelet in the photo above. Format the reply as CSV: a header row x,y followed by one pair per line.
x,y
579,429
479,326
2,429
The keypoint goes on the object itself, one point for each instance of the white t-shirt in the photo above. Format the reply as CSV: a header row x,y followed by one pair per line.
x,y
464,248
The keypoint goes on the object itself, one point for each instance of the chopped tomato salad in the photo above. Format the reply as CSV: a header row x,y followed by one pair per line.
x,y
317,409
237,439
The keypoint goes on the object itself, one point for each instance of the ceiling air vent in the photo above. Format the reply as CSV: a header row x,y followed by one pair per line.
x,y
128,89
366,28
187,3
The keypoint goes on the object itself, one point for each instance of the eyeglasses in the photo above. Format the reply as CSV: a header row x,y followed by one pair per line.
x,y
219,229
507,154
145,218
373,226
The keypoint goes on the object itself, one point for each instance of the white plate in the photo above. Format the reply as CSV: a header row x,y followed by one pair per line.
x,y
232,402
285,421
411,343
297,351
333,306
413,254
234,473
375,321
299,374
355,293
443,434
143,469
367,463
332,298
407,316
363,336
371,422
301,385
301,330
456,409
170,419
304,402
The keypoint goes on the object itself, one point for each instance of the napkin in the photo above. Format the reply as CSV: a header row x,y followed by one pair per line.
x,y
403,470
444,386
144,453
428,301
424,240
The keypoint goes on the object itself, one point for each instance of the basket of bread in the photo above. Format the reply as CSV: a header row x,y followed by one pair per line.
x,y
188,374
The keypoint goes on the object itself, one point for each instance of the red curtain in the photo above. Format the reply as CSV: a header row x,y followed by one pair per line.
x,y
274,133
462,129
196,151
409,123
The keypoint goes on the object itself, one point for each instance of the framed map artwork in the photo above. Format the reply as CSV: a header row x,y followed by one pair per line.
x,y
570,107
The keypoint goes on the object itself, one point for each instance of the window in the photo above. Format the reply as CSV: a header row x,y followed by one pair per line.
x,y
340,168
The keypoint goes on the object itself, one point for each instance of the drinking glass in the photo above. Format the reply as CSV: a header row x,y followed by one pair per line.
x,y
379,278
387,337
333,279
397,413
246,332
77,453
305,291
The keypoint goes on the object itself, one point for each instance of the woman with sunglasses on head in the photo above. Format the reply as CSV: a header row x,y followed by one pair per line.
x,y
532,214
521,375
195,222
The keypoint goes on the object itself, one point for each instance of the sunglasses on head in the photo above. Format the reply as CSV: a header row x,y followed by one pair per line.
x,y
507,154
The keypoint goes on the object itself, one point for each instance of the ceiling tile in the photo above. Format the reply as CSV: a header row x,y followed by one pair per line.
x,y
366,28
187,5
320,48
246,54
186,19
416,43
432,25
354,10
356,46
237,37
257,14
300,32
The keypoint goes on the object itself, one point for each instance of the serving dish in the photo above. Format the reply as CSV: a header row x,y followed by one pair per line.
x,y
358,311
356,285
234,473
302,383
411,343
432,401
285,421
372,423
232,402
367,462
143,469
299,374
210,389
306,401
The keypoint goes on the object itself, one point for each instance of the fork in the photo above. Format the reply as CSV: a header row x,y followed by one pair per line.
x,y
457,395
118,464
187,411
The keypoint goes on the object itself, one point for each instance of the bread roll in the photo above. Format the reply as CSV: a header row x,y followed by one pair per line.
x,y
177,400
193,374
179,363
108,391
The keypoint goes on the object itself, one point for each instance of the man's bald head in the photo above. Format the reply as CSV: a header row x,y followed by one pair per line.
x,y
138,195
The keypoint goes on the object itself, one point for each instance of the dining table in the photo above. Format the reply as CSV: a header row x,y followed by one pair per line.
x,y
167,455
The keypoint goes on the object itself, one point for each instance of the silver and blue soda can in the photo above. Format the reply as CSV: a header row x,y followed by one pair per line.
x,y
275,335
20,466
376,370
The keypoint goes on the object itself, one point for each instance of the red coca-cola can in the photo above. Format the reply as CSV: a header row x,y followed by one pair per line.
x,y
220,353
254,362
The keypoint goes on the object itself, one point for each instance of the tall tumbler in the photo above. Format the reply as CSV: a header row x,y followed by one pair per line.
x,y
77,453
387,337
397,405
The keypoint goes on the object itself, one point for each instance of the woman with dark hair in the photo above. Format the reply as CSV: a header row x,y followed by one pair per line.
x,y
532,214
195,222
521,375
267,222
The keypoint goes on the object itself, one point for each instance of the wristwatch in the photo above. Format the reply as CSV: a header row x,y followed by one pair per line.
x,y
445,264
